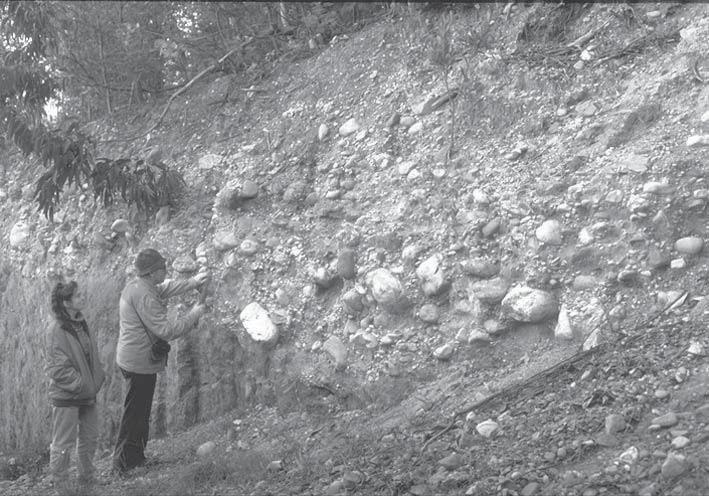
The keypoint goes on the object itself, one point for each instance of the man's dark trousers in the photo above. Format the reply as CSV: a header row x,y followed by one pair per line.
x,y
135,422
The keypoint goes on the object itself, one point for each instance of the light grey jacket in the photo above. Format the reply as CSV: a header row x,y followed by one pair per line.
x,y
145,304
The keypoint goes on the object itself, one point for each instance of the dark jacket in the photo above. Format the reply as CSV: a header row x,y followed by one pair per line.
x,y
73,380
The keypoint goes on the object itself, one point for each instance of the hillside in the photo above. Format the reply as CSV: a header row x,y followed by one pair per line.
x,y
522,314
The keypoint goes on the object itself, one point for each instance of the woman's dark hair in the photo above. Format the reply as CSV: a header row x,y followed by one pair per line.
x,y
61,293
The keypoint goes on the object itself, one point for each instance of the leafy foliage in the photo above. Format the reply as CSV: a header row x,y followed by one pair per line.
x,y
67,154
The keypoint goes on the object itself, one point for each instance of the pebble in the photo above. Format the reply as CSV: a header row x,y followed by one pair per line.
x,y
549,232
673,466
351,126
429,313
614,423
120,226
452,461
691,245
444,352
206,448
680,442
657,188
323,130
698,140
668,420
487,428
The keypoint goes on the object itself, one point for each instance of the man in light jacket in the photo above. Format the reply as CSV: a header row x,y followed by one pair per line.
x,y
143,320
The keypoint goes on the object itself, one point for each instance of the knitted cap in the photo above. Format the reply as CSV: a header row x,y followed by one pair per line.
x,y
148,261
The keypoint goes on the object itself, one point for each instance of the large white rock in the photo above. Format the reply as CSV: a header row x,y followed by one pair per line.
x,y
257,323
386,288
431,275
19,234
525,304
549,232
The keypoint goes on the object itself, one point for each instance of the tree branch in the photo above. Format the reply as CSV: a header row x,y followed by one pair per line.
x,y
194,80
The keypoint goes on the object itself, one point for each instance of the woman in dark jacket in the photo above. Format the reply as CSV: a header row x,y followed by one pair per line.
x,y
76,376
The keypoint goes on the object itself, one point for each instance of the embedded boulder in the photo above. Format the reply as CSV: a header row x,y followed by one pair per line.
x,y
258,324
525,304
386,288
430,272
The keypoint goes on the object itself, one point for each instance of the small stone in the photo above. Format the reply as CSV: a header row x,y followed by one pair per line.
x,y
705,117
385,286
429,313
549,232
673,466
337,350
184,264
563,329
699,140
657,188
417,127
530,489
583,282
579,65
120,226
691,245
490,291
225,240
587,108
405,167
680,442
696,348
19,234
444,352
346,264
678,263
492,227
480,267
661,394
323,130
478,336
249,190
248,247
274,466
349,127
452,461
407,121
487,428
668,420
162,216
394,120
206,448
615,423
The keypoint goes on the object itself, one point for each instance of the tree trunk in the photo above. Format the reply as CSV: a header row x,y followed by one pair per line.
x,y
103,71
